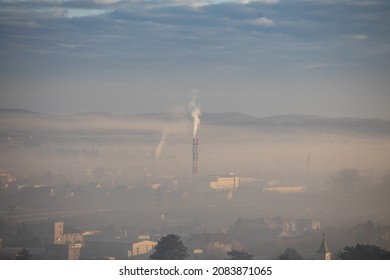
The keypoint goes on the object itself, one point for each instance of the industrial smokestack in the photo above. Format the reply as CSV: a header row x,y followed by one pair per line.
x,y
195,156
195,113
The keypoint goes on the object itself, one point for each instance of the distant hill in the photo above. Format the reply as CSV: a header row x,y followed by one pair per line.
x,y
294,119
18,111
229,118
356,125
282,123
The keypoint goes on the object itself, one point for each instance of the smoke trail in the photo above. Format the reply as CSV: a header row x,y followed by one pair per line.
x,y
160,146
195,113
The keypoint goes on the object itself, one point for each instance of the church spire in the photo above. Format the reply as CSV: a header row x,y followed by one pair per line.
x,y
323,250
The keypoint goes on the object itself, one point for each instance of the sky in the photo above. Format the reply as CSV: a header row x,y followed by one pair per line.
x,y
269,57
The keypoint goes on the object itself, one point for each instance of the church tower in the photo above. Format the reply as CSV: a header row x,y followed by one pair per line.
x,y
59,233
323,250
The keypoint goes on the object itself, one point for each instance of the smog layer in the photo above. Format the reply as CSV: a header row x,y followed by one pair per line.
x,y
134,171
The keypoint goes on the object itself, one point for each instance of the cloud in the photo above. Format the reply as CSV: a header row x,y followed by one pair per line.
x,y
314,66
174,38
259,1
359,37
263,21
145,34
106,2
73,13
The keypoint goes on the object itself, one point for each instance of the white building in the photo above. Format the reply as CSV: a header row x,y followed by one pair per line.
x,y
225,183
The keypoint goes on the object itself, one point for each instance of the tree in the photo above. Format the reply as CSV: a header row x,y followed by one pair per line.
x,y
364,252
290,254
346,180
169,247
346,183
239,255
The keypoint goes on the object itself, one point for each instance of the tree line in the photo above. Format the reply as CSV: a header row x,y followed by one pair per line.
x,y
171,247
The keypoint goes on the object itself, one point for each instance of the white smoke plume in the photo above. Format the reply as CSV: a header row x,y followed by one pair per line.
x,y
195,113
160,146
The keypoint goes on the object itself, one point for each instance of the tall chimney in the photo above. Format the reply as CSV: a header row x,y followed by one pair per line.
x,y
195,156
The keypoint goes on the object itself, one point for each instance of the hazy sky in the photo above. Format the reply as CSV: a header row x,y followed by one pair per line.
x,y
324,57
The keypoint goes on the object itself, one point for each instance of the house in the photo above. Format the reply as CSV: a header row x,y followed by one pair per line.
x,y
371,233
255,231
141,248
100,247
211,245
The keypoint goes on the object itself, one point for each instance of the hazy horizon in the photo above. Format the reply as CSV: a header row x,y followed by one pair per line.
x,y
79,152
181,110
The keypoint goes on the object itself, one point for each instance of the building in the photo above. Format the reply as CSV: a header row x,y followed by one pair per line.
x,y
5,179
324,251
211,245
99,247
225,183
62,237
307,225
285,190
370,233
65,244
140,248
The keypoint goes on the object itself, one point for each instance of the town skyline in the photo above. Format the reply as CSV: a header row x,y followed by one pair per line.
x,y
257,184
